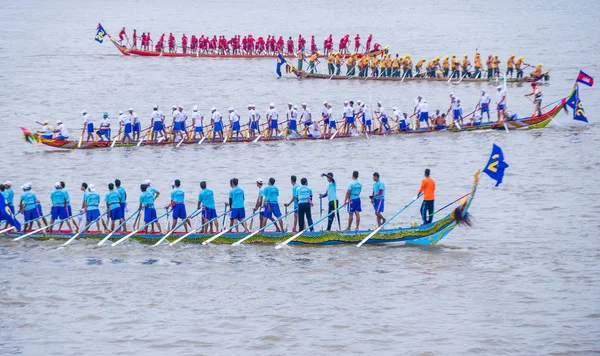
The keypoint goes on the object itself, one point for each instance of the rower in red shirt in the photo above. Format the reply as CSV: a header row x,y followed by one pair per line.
x,y
148,40
160,45
171,42
313,45
143,40
193,44
184,41
342,46
290,45
134,39
122,35
368,45
356,43
376,47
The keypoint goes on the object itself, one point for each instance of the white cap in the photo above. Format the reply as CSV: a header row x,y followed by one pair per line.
x,y
8,183
290,104
325,102
213,109
419,96
380,103
272,105
483,90
91,188
295,107
303,104
57,185
230,108
120,112
451,94
425,101
83,112
46,122
195,108
394,108
155,107
26,186
174,107
130,109
259,181
59,121
499,87
358,101
179,106
253,105
147,181
249,106
362,105
345,102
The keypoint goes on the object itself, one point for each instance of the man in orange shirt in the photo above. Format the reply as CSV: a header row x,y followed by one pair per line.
x,y
428,190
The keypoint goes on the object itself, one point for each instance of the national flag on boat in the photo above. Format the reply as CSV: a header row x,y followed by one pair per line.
x,y
496,165
575,103
7,215
100,33
585,79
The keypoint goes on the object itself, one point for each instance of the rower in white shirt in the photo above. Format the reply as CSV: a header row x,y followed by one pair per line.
x,y
422,111
500,103
135,124
197,123
104,131
306,118
61,129
484,104
234,123
125,122
88,125
272,117
367,119
157,123
46,131
292,116
253,125
324,118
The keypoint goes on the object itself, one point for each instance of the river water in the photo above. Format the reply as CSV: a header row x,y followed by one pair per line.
x,y
523,280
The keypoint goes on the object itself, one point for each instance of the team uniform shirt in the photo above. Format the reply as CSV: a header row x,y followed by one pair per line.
x,y
304,194
105,127
428,188
272,114
29,199
355,187
324,113
253,119
177,196
423,110
157,124
125,120
332,191
218,124
9,196
122,195
349,114
271,194
484,103
377,186
147,201
234,120
455,106
135,121
88,123
63,132
477,118
237,198
153,191
112,198
295,195
197,120
383,114
306,117
207,198
58,197
293,117
501,95
92,200
367,118
47,131
179,123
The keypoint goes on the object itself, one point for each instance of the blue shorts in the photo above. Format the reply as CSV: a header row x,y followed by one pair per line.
x,y
127,128
92,215
379,205
116,213
485,108
456,114
292,125
354,206
274,124
61,137
254,125
105,133
123,206
177,126
271,209
31,214
501,107
424,116
332,124
12,208
235,126
59,212
149,214
307,124
218,127
238,213
368,122
179,211
47,137
90,128
137,127
402,124
384,120
209,213
198,129
476,123
350,119
326,122
157,126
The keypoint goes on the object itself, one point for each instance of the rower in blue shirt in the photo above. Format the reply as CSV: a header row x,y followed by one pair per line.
x,y
236,201
91,203
31,209
178,204
332,198
9,195
304,204
272,204
353,200
59,207
122,198
260,202
114,207
378,198
69,209
294,200
147,203
206,199
151,189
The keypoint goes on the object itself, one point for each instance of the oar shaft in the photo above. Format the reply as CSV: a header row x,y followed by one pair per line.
x,y
192,215
261,229
134,232
45,227
308,228
196,229
117,228
229,228
84,229
447,205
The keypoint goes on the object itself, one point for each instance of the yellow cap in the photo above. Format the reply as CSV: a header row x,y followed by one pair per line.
x,y
521,58
454,55
466,56
539,65
424,59
446,57
513,55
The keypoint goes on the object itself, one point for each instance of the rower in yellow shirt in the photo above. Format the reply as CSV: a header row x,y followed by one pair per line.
x,y
478,67
518,65
490,69
338,63
300,59
363,65
466,65
537,72
313,61
375,66
350,66
418,67
510,65
330,60
388,65
455,66
496,66
396,66
408,66
446,66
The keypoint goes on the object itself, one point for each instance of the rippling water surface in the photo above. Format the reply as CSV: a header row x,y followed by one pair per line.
x,y
524,280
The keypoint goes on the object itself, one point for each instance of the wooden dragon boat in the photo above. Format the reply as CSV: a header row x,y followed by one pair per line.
x,y
532,122
429,234
301,74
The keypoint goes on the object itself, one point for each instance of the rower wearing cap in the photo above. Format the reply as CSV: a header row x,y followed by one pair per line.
x,y
155,193
313,61
422,112
125,121
136,124
31,209
178,205
294,200
69,209
397,117
234,123
306,118
59,207
114,207
333,202
147,203
537,72
272,120
348,113
537,98
206,200
292,118
104,131
510,65
260,201
454,109
182,117
330,60
157,122
236,202
197,123
271,207
217,123
253,121
466,65
61,129
324,115
353,200
331,120
518,65
418,67
500,102
446,66
88,125
91,203
367,119
484,104
9,195
496,66
46,131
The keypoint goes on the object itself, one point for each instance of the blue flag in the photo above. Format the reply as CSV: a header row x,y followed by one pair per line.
x,y
280,61
577,106
585,79
496,165
7,215
100,34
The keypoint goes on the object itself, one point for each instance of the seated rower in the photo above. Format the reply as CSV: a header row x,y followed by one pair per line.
x,y
440,122
510,116
61,129
537,72
404,123
476,119
46,131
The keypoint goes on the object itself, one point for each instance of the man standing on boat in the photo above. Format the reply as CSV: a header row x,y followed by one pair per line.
x,y
260,202
272,210
125,122
422,112
197,123
236,202
378,198
155,193
122,36
484,104
253,122
157,123
537,98
428,190
272,120
59,207
147,203
294,200
353,200
217,123
206,199
88,125
122,199
136,125
112,205
234,123
306,118
500,103
178,205
31,209
304,204
104,131
91,202
333,202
